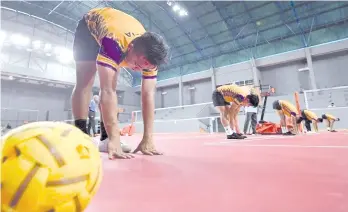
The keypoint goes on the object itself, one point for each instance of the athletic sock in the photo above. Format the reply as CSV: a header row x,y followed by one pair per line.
x,y
103,134
228,130
284,130
82,125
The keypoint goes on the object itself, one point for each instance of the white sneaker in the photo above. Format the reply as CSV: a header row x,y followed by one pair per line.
x,y
103,146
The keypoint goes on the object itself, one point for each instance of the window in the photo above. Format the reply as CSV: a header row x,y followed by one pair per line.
x,y
249,82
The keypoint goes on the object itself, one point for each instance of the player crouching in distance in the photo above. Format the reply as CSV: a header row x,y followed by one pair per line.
x,y
286,110
228,99
330,120
309,117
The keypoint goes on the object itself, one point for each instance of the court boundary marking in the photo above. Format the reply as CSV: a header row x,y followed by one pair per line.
x,y
294,146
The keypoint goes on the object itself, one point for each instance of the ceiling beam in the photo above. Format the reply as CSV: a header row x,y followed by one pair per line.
x,y
243,24
275,39
288,22
230,28
304,42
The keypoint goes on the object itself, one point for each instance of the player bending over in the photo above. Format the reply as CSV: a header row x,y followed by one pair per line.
x,y
285,109
106,40
309,117
330,120
228,99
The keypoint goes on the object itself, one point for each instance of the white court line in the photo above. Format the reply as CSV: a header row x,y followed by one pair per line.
x,y
291,146
188,137
244,140
256,138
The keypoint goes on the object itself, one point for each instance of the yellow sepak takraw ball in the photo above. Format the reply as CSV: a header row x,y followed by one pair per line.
x,y
48,166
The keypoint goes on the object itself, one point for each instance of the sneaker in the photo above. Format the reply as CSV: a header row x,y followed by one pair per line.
x,y
288,133
241,135
333,131
235,136
103,146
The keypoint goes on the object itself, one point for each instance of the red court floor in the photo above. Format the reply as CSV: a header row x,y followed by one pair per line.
x,y
204,173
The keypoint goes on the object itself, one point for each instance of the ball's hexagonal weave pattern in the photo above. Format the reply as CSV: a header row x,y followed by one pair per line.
x,y
48,166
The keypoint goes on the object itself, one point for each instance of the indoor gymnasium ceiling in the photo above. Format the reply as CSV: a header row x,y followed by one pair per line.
x,y
206,33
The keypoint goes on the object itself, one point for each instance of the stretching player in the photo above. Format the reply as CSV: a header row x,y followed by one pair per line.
x,y
228,99
309,117
330,120
286,109
106,40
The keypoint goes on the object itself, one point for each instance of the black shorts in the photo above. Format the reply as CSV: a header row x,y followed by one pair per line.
x,y
276,105
85,47
303,117
218,99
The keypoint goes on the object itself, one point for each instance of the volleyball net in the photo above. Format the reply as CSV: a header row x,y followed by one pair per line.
x,y
332,101
329,98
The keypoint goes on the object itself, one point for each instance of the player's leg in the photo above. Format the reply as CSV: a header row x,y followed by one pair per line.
x,y
246,122
92,121
253,122
85,53
234,110
332,125
294,130
89,125
315,126
233,119
224,119
278,108
282,120
308,125
219,104
328,124
85,73
103,133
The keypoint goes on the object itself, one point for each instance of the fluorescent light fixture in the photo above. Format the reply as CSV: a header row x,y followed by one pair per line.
x,y
303,69
182,12
176,8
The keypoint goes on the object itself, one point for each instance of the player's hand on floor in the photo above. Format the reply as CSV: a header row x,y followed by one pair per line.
x,y
147,148
115,151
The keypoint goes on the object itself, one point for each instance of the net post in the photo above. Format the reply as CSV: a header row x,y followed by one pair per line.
x,y
211,129
297,100
305,99
134,116
37,116
216,125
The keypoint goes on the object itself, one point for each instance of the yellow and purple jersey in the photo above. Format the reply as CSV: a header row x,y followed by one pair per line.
x,y
330,117
288,108
114,30
309,115
233,93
